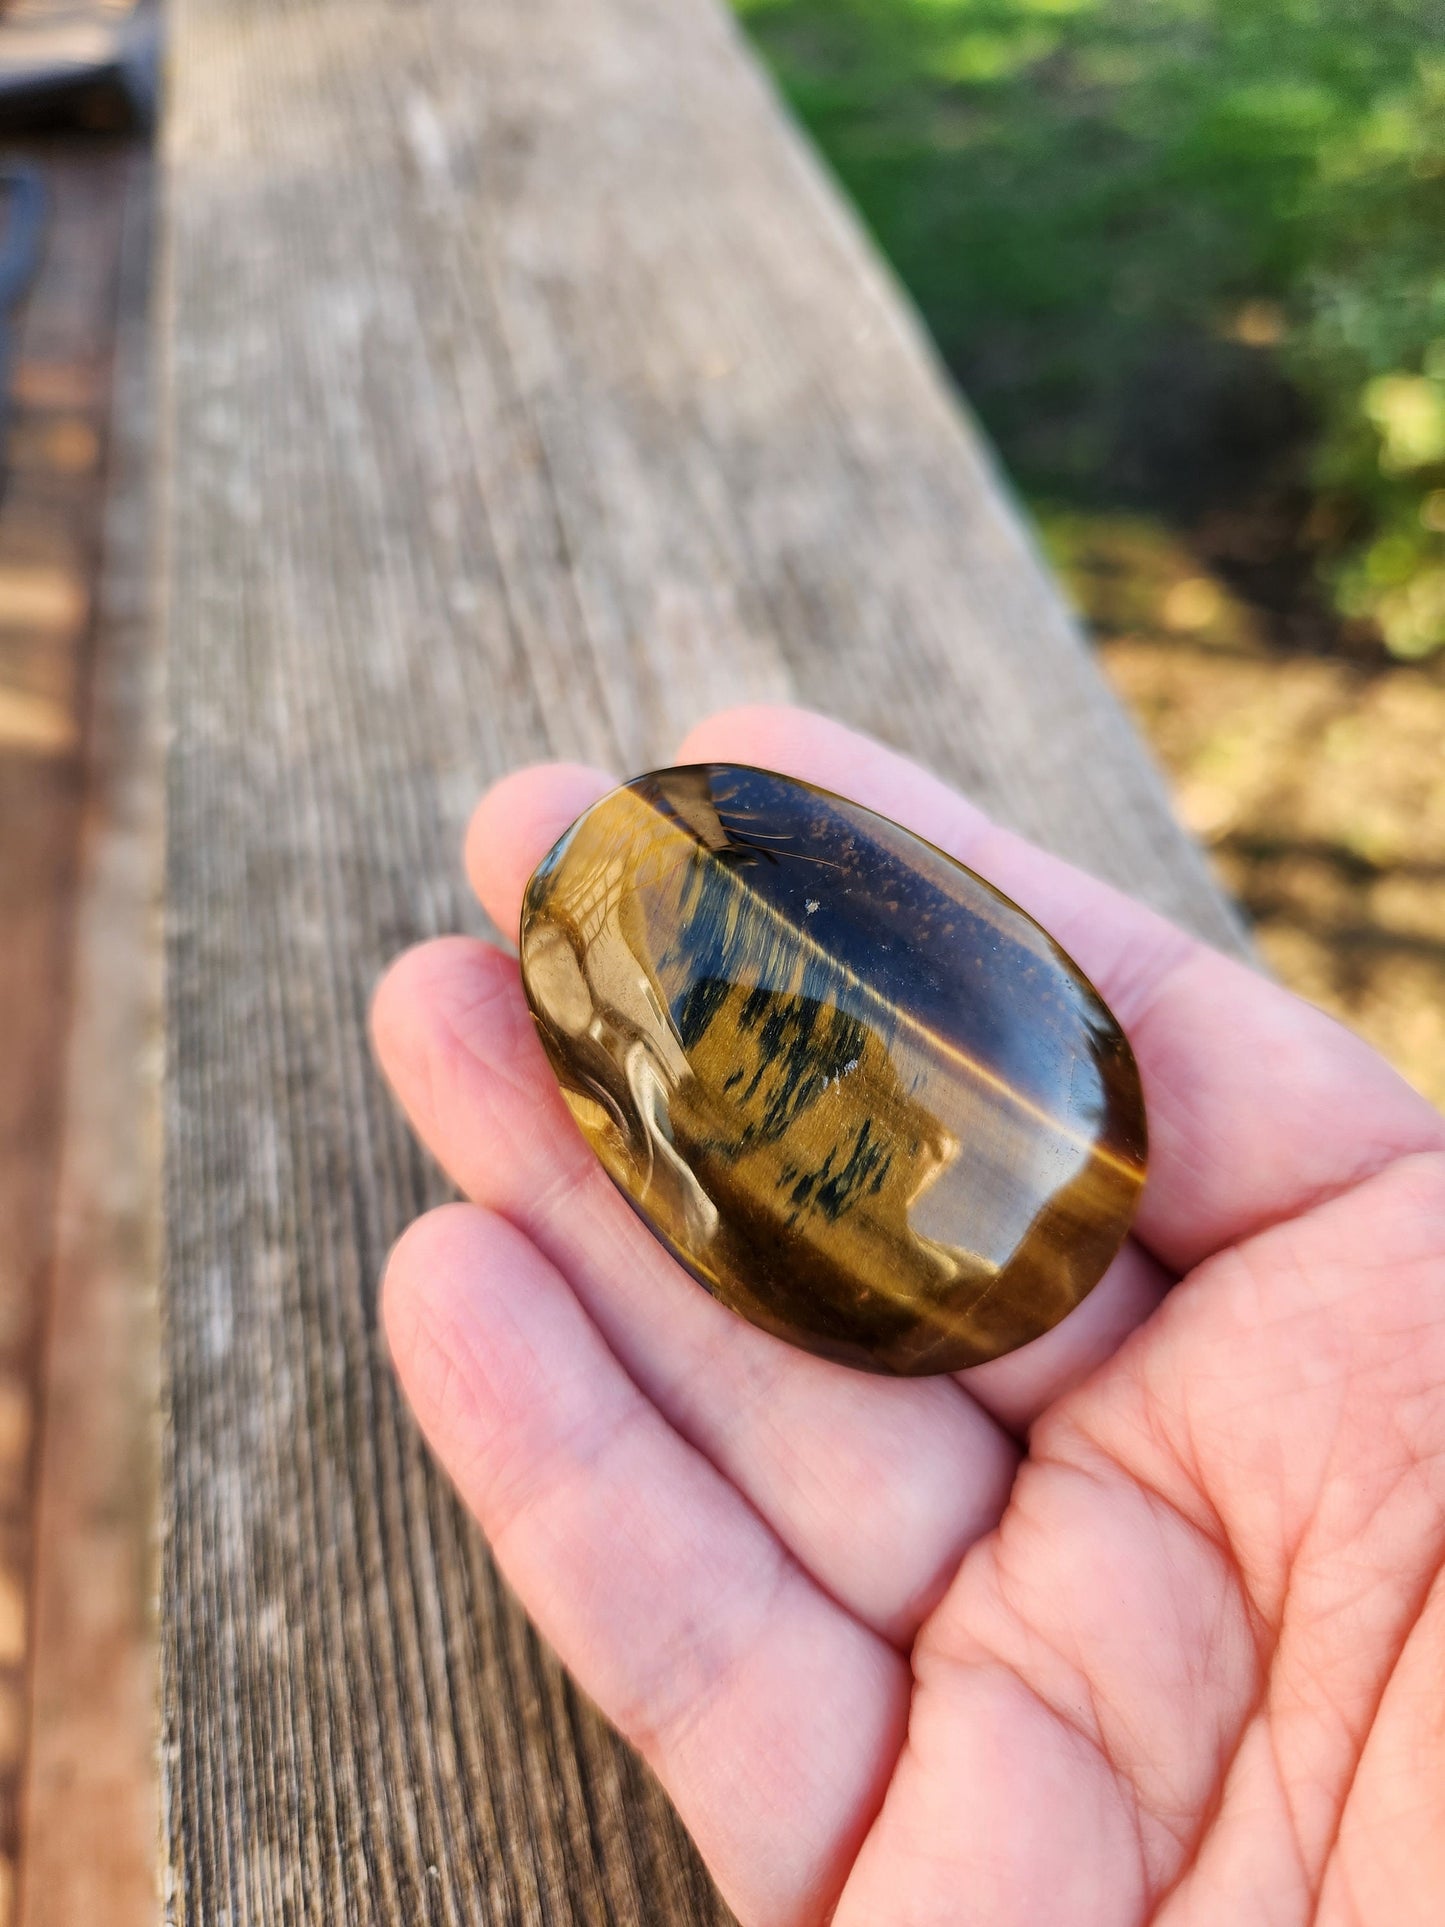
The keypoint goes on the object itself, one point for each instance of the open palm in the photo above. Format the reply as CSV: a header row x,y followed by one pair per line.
x,y
1145,1622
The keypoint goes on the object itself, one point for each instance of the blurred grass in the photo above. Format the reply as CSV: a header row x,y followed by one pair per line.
x,y
1187,261
1168,244
1315,779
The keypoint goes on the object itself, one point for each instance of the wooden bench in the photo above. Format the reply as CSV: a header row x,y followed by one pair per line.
x,y
528,391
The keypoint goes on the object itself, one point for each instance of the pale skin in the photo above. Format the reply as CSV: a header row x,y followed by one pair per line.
x,y
1144,1622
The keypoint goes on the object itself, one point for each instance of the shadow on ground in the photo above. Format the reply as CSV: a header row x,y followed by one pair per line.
x,y
1315,776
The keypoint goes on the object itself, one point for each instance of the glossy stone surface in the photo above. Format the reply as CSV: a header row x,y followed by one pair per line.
x,y
862,1097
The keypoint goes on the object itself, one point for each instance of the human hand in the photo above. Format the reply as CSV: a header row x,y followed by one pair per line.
x,y
1143,1622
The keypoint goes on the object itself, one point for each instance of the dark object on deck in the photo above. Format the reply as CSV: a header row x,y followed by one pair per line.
x,y
83,70
24,196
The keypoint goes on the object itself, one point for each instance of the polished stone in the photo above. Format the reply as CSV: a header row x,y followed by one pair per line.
x,y
863,1097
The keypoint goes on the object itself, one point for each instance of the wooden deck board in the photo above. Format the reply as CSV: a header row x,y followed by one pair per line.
x,y
529,392
54,639
90,1796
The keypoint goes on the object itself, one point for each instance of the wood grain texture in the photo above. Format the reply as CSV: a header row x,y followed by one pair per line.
x,y
529,393
90,1796
53,497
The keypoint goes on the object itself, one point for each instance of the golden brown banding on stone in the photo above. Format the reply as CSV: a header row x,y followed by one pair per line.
x,y
859,1094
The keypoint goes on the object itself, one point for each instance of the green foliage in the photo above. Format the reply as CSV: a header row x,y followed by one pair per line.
x,y
1118,215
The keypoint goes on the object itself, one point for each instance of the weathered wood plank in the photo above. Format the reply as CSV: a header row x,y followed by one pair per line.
x,y
530,392
50,529
90,1806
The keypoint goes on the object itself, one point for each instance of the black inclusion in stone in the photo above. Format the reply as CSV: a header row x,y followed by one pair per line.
x,y
696,1007
879,933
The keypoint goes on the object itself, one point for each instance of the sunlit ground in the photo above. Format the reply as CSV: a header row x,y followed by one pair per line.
x,y
1317,783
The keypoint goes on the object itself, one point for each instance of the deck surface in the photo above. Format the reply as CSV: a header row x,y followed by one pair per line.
x,y
528,392
79,870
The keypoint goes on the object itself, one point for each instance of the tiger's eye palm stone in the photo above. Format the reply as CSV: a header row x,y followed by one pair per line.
x,y
862,1097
